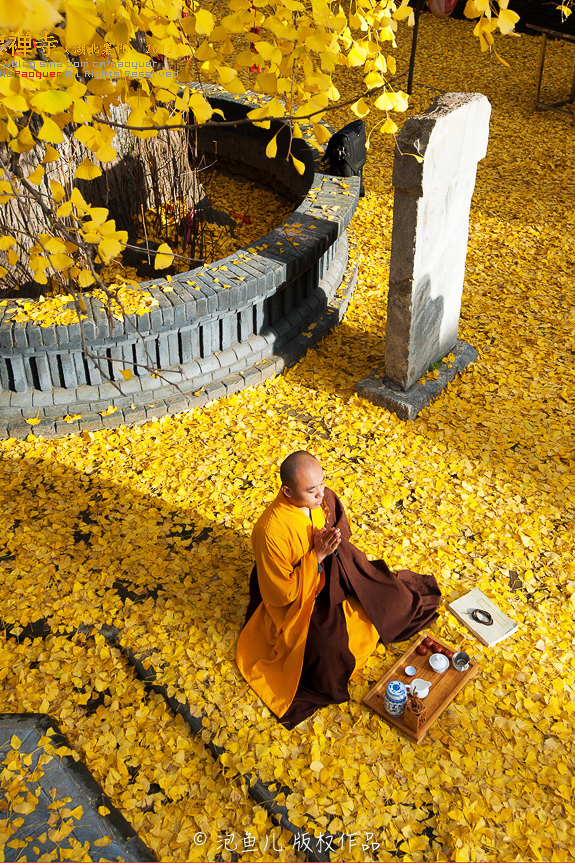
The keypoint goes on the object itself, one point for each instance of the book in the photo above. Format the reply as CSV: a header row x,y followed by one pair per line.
x,y
502,626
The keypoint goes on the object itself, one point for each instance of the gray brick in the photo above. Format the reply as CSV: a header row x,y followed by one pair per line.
x,y
272,273
116,355
58,410
172,376
226,359
111,421
21,400
185,297
191,371
19,373
197,308
215,390
173,349
12,414
20,336
275,307
144,324
243,351
136,415
178,405
34,336
167,313
246,323
282,327
156,320
40,398
61,396
21,430
249,284
269,336
74,333
5,380
150,383
143,356
180,314
252,376
57,380
107,390
134,385
97,405
257,343
43,371
272,367
163,347
89,329
94,372
68,427
6,337
131,325
209,365
257,284
5,398
259,317
233,383
228,331
104,328
62,334
209,293
225,295
190,385
80,367
156,411
92,423
190,344
86,393
210,338
68,369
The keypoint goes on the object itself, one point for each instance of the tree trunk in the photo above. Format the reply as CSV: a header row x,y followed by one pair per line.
x,y
153,173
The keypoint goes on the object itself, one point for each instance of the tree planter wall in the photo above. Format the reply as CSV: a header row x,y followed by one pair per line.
x,y
208,340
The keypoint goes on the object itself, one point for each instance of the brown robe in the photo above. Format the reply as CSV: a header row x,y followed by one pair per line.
x,y
397,605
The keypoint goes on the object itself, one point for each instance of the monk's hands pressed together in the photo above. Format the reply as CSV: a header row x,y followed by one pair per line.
x,y
326,541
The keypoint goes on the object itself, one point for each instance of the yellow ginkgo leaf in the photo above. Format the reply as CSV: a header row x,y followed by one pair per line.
x,y
52,101
51,132
272,147
86,170
298,165
164,257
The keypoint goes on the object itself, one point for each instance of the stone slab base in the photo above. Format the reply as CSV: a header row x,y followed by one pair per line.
x,y
407,405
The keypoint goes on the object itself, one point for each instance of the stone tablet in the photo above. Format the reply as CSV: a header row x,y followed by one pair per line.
x,y
434,172
430,231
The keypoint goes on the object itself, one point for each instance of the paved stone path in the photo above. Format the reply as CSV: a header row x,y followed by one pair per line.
x,y
68,799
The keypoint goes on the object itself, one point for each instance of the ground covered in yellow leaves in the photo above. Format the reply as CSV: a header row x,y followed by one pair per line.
x,y
147,530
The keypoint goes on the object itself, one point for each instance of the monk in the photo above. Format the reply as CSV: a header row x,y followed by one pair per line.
x,y
318,607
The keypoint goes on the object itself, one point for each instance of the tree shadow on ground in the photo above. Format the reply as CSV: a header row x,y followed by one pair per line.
x,y
77,550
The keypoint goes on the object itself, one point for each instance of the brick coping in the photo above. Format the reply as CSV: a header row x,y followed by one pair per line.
x,y
205,339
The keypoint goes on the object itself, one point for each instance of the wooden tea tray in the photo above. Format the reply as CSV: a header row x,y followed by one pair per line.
x,y
444,687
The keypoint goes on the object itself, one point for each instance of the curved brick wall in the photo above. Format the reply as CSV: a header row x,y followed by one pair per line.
x,y
208,340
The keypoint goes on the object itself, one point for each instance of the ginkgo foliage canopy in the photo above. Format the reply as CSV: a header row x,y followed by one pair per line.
x,y
86,83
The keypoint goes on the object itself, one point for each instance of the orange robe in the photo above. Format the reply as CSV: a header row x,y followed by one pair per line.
x,y
270,649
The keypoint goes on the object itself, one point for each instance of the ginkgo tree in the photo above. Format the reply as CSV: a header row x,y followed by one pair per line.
x,y
99,100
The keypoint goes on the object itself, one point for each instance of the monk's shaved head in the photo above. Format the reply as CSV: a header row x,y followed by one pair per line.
x,y
295,464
